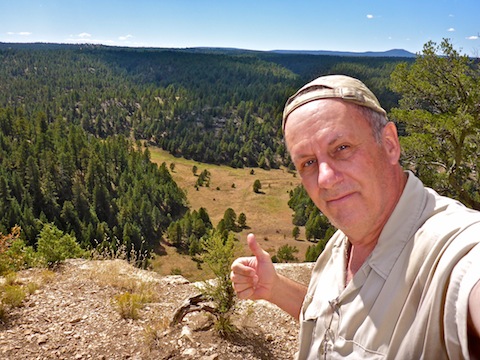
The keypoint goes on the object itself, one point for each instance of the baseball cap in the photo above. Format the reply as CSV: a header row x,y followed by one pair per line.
x,y
332,86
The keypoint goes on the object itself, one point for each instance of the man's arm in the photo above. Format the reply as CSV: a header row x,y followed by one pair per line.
x,y
256,278
289,296
474,321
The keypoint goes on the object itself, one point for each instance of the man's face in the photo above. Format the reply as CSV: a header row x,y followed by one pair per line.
x,y
345,171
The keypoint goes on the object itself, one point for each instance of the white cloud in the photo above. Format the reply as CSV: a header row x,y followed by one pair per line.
x,y
369,16
21,33
451,30
473,37
84,38
126,37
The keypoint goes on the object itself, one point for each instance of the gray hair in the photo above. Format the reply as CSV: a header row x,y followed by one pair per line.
x,y
376,120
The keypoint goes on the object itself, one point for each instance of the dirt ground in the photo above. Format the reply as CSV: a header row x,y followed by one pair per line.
x,y
72,315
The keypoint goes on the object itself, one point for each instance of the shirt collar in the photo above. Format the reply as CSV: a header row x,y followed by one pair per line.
x,y
406,218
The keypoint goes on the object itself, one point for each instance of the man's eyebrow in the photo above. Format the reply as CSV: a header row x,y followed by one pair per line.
x,y
300,157
337,138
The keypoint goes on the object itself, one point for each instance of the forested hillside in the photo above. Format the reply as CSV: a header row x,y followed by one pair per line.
x,y
213,107
71,117
98,190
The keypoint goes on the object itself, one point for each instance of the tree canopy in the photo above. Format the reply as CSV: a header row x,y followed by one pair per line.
x,y
101,191
440,110
221,108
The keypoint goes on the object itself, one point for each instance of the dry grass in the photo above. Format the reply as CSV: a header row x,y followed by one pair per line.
x,y
268,214
136,289
128,305
154,332
13,292
116,274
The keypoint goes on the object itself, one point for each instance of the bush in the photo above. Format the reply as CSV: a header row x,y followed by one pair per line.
x,y
296,232
285,254
11,296
14,253
257,185
128,305
54,246
20,256
219,254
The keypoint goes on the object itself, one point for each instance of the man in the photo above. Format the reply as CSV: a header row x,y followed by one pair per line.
x,y
399,279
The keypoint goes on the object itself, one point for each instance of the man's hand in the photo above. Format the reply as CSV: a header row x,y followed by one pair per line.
x,y
254,277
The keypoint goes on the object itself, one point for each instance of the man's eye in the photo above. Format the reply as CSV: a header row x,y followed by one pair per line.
x,y
308,163
343,147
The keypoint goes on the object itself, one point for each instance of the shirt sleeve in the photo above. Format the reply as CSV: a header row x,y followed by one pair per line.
x,y
463,278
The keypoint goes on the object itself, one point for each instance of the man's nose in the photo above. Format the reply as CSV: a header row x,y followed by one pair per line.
x,y
327,176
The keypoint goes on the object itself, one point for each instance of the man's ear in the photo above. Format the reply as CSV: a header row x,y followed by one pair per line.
x,y
391,142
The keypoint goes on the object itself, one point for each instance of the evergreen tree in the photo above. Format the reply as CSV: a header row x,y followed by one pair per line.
x,y
229,220
257,186
440,112
242,220
296,232
219,254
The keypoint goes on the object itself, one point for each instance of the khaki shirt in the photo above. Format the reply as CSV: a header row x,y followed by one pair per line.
x,y
409,300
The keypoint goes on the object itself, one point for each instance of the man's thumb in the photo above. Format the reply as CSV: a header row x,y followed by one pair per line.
x,y
256,249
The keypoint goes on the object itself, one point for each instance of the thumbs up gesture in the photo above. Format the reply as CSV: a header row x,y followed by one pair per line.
x,y
254,277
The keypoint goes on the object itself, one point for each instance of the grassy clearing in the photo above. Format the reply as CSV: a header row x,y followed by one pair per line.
x,y
174,263
268,214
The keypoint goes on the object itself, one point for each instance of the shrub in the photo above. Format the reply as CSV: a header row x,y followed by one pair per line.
x,y
219,254
285,254
13,295
296,232
257,185
20,256
242,221
14,253
128,305
54,246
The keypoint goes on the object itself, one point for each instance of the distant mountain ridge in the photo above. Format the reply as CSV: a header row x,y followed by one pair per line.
x,y
389,53
400,53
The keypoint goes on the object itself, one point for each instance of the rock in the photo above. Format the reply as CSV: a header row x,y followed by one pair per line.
x,y
42,339
210,357
187,334
190,352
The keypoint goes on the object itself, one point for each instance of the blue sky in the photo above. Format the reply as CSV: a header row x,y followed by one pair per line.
x,y
341,25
